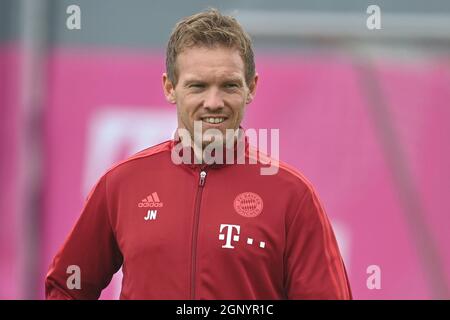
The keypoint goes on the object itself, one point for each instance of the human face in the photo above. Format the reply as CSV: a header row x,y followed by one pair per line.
x,y
211,88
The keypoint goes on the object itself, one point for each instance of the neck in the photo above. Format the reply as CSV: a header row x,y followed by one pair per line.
x,y
230,151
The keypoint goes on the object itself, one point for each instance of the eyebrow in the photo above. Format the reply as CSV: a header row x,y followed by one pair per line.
x,y
238,80
191,81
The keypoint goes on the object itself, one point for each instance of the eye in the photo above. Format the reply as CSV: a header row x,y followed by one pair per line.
x,y
231,85
196,85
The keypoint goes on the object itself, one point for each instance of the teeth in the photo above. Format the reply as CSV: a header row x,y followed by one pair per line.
x,y
214,120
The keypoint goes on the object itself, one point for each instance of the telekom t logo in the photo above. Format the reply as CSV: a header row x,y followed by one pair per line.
x,y
230,228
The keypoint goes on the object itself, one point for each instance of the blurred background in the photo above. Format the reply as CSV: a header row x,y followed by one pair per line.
x,y
363,113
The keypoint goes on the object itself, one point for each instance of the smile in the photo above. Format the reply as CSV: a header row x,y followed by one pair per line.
x,y
214,120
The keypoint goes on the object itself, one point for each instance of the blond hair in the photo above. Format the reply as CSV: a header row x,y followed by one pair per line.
x,y
209,28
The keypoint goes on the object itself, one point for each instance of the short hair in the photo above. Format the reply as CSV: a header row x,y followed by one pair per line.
x,y
209,28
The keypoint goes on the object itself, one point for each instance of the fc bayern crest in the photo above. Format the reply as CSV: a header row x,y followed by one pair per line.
x,y
248,204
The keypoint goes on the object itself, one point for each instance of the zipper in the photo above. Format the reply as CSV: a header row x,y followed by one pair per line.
x,y
198,200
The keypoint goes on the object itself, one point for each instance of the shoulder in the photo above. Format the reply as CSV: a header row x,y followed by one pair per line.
x,y
144,158
292,189
282,172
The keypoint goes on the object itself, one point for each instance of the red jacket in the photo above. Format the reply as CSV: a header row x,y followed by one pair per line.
x,y
201,232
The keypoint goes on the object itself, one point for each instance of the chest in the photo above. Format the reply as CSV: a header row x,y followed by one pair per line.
x,y
222,216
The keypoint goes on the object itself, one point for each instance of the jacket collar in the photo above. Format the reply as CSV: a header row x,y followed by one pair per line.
x,y
229,155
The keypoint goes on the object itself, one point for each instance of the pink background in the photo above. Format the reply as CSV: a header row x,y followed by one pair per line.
x,y
101,106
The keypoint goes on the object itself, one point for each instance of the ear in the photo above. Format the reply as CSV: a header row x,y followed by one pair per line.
x,y
169,89
252,89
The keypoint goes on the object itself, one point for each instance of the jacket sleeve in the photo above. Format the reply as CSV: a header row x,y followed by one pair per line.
x,y
314,266
90,248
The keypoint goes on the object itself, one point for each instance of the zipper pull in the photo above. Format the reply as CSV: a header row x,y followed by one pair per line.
x,y
202,178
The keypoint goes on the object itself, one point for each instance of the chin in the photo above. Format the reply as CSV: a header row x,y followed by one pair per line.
x,y
216,137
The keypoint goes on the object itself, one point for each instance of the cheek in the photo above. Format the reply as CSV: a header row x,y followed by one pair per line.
x,y
186,106
238,105
192,101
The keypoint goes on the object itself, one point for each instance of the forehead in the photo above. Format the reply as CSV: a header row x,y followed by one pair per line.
x,y
209,63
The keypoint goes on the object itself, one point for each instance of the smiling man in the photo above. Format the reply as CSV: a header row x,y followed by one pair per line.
x,y
212,87
202,230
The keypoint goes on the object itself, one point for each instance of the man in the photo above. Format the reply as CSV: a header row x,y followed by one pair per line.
x,y
202,227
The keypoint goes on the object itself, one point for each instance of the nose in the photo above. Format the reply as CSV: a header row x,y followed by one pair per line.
x,y
213,99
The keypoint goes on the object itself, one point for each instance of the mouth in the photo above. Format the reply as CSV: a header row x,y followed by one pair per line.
x,y
216,120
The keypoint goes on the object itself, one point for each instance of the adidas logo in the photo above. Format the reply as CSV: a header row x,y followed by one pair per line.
x,y
152,201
